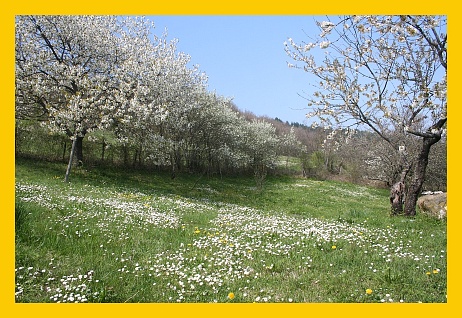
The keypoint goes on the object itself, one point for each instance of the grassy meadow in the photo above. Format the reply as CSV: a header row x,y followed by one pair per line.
x,y
111,235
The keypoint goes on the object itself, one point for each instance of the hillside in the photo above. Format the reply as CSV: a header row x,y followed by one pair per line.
x,y
119,236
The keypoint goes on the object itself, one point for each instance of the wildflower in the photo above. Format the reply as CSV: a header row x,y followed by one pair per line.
x,y
428,273
436,271
231,296
334,247
368,291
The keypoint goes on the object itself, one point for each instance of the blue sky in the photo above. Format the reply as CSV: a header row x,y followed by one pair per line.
x,y
244,58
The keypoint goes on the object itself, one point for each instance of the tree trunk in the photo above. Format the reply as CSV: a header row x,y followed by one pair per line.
x,y
71,158
397,193
64,150
140,158
418,178
173,164
125,155
135,156
79,150
103,148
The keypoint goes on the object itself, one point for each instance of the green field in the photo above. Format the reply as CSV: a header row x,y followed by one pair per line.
x,y
112,235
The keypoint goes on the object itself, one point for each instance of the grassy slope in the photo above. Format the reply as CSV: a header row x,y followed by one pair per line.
x,y
120,236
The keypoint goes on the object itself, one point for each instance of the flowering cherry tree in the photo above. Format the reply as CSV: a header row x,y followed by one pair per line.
x,y
261,145
386,74
163,90
84,73
66,72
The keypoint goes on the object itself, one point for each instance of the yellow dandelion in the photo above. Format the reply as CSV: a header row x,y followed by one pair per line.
x,y
334,247
428,273
436,271
368,291
231,296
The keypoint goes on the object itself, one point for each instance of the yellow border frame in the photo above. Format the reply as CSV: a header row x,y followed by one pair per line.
x,y
10,8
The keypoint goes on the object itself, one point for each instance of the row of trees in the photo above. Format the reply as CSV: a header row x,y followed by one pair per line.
x,y
352,156
81,75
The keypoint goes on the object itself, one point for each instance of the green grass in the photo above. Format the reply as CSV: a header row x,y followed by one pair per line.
x,y
126,236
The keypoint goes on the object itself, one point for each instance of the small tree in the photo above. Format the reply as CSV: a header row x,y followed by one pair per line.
x,y
386,73
261,145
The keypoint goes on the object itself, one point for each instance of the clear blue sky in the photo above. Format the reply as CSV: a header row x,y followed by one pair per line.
x,y
244,58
